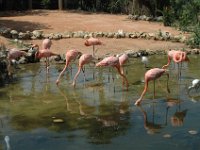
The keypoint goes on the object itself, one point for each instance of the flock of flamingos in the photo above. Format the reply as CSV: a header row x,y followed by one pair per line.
x,y
112,61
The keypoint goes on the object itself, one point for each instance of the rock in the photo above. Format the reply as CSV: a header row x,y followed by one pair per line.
x,y
193,132
79,34
58,120
143,17
37,34
110,35
167,136
4,31
14,34
24,36
22,60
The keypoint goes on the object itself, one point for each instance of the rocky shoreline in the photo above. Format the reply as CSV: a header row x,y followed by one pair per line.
x,y
39,34
19,38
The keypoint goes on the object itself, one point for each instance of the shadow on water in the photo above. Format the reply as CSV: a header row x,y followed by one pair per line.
x,y
37,114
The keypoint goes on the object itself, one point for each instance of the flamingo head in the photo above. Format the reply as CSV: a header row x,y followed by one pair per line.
x,y
79,55
87,43
34,46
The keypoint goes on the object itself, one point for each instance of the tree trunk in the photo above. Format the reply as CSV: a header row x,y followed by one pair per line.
x,y
60,4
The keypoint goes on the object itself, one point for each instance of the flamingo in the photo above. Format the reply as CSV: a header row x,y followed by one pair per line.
x,y
150,126
13,54
92,42
152,75
46,44
113,62
178,57
44,53
70,56
122,60
84,59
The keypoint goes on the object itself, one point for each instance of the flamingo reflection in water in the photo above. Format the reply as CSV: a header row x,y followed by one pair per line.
x,y
152,75
150,126
177,119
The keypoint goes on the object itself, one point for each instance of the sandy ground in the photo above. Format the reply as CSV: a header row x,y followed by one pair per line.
x,y
60,21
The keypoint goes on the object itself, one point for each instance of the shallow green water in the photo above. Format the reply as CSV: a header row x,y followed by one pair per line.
x,y
100,113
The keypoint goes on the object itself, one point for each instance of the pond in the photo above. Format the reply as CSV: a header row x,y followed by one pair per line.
x,y
99,113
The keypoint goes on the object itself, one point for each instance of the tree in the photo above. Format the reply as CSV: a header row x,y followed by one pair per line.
x,y
60,4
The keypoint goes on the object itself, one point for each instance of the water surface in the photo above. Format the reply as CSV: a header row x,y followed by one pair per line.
x,y
99,113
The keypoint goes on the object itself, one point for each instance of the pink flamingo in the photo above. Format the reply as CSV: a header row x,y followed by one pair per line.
x,y
44,53
46,44
113,62
70,55
178,57
14,54
152,75
84,59
122,60
92,42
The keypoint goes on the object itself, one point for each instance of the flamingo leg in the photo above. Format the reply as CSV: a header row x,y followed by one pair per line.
x,y
93,53
61,74
123,76
168,90
70,67
83,69
9,68
154,89
75,77
180,69
142,95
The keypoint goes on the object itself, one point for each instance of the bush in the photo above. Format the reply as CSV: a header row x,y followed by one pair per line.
x,y
168,16
46,3
194,41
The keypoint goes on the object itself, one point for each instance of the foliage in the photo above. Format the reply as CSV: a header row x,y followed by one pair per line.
x,y
186,15
194,41
168,18
46,3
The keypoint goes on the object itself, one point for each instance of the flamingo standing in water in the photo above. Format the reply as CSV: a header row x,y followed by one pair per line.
x,y
92,42
122,60
44,53
12,55
84,59
46,44
113,62
70,55
178,57
152,75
